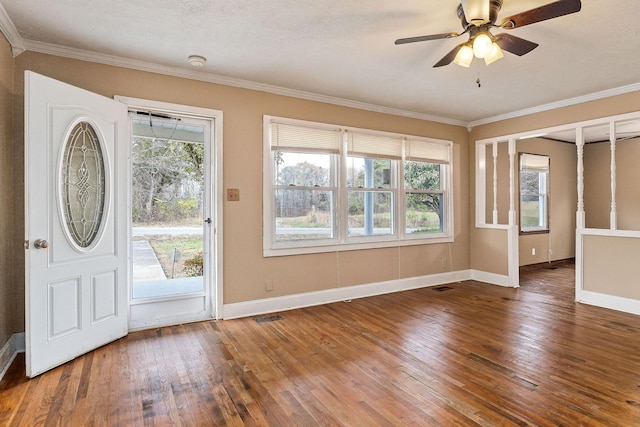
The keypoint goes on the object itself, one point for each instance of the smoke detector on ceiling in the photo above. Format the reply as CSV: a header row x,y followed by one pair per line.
x,y
197,60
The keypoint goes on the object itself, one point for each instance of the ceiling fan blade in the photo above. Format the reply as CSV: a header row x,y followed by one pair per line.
x,y
476,10
449,57
426,38
542,13
514,44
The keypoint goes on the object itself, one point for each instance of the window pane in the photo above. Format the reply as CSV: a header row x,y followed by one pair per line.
x,y
530,207
422,176
303,169
370,213
530,183
368,172
533,193
423,213
303,215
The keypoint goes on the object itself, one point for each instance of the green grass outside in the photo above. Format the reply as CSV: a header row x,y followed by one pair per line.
x,y
189,247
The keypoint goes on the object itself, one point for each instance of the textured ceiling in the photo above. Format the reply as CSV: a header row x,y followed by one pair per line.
x,y
345,49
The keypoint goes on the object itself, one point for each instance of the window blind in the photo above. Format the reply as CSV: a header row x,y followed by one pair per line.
x,y
364,144
303,138
426,151
534,163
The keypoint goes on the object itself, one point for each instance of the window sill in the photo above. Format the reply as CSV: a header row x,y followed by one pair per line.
x,y
317,248
529,232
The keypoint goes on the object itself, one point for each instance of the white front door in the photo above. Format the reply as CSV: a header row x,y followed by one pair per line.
x,y
76,182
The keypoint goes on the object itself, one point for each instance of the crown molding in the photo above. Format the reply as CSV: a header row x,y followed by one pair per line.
x,y
19,45
119,61
11,33
635,87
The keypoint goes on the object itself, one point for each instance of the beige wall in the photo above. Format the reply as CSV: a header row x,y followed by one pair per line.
x,y
10,317
597,184
245,270
244,267
563,199
620,104
611,263
491,251
611,266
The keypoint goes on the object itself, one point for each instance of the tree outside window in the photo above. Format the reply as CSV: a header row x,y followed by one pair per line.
x,y
534,193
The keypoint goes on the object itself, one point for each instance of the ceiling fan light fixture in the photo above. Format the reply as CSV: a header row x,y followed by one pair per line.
x,y
476,11
464,56
482,45
494,54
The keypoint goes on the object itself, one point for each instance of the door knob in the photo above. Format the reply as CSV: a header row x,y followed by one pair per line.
x,y
41,244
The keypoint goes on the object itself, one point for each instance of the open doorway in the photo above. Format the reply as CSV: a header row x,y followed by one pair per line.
x,y
174,212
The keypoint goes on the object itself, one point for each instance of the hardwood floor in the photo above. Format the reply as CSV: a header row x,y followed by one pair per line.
x,y
462,354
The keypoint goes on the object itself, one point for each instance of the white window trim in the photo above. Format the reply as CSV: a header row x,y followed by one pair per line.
x,y
542,175
341,242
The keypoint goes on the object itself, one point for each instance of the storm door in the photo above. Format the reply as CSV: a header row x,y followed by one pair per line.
x,y
171,218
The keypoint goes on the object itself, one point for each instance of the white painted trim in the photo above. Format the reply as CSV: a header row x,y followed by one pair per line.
x,y
493,226
610,233
567,126
9,351
612,302
308,299
217,117
162,322
134,64
11,33
558,104
491,278
340,241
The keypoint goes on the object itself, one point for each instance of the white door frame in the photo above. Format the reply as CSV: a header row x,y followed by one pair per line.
x,y
216,117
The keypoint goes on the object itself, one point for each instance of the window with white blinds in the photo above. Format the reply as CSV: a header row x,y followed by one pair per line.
x,y
534,193
427,151
330,187
372,145
305,138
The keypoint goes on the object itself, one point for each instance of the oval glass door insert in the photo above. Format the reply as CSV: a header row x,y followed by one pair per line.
x,y
83,184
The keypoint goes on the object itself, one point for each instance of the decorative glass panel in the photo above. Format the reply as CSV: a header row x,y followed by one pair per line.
x,y
83,184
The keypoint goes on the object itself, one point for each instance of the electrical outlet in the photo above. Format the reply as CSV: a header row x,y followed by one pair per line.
x,y
443,263
268,285
533,251
233,194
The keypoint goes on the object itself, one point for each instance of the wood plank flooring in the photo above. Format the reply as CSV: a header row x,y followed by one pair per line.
x,y
463,354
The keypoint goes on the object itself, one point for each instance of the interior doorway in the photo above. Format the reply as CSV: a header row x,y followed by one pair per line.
x,y
175,262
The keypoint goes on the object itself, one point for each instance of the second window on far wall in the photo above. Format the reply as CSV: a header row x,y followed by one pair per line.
x,y
330,186
534,193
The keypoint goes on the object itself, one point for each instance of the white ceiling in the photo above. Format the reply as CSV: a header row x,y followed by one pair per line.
x,y
345,49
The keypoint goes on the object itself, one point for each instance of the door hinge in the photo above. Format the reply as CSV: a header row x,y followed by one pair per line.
x,y
26,244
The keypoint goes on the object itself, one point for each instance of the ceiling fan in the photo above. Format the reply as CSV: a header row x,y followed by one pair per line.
x,y
482,44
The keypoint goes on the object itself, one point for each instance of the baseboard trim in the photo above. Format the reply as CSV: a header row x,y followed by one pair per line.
x,y
308,299
491,278
11,348
612,302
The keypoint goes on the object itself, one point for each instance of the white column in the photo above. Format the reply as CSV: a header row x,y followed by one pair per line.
x,y
580,212
580,170
513,235
495,182
512,181
613,223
